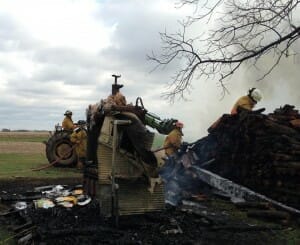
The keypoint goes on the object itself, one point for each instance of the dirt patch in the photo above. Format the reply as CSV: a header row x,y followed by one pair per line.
x,y
22,147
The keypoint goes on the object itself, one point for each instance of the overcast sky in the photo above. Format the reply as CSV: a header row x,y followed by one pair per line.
x,y
60,54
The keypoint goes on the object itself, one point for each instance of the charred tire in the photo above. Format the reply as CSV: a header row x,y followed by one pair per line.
x,y
59,148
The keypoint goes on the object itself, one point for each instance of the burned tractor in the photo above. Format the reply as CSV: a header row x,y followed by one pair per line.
x,y
120,163
60,150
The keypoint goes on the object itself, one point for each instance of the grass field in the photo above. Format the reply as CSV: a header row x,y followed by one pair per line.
x,y
20,152
23,136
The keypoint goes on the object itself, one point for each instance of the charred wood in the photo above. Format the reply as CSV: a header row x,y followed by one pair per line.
x,y
289,165
25,239
244,228
269,214
261,152
85,231
23,226
283,156
250,205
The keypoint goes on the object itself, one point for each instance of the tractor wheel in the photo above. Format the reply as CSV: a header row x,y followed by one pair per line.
x,y
59,150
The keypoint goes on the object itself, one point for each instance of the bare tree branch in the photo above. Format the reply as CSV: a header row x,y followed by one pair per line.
x,y
244,31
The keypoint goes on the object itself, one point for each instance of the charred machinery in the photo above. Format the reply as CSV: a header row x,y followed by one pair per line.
x,y
60,150
120,163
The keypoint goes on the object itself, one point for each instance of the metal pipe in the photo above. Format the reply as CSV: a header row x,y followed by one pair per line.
x,y
236,190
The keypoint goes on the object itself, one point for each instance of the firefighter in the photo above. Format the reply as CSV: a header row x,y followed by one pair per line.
x,y
67,123
174,139
244,103
79,137
248,101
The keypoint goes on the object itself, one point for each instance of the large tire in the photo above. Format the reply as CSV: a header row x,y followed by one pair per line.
x,y
59,150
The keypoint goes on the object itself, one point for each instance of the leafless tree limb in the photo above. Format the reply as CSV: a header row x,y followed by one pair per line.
x,y
244,31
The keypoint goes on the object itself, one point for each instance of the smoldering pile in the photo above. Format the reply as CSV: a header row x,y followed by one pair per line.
x,y
190,224
56,214
259,151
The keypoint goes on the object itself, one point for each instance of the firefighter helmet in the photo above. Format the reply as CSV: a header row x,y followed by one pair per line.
x,y
81,122
255,94
68,113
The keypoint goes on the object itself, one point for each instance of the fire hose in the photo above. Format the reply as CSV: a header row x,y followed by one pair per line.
x,y
162,148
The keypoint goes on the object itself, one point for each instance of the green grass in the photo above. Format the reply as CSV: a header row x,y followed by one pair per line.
x,y
14,165
23,136
6,237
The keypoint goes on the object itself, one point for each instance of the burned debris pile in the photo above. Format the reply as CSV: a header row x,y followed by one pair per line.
x,y
261,152
191,223
48,211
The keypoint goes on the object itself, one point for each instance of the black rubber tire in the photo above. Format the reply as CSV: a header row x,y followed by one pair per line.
x,y
57,146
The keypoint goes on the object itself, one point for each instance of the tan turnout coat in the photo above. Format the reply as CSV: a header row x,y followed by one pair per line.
x,y
245,102
67,123
79,138
173,141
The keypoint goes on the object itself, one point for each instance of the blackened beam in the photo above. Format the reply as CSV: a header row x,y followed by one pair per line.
x,y
237,191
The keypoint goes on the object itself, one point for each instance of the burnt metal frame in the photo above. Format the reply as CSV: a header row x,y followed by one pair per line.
x,y
114,185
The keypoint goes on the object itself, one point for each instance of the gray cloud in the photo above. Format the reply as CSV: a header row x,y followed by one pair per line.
x,y
14,37
62,77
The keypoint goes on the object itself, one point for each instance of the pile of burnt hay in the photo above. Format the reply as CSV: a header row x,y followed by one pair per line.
x,y
256,150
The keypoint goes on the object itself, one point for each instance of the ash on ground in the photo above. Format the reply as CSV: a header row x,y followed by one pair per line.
x,y
201,220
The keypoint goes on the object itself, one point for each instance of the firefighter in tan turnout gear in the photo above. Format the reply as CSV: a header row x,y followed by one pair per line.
x,y
67,123
174,139
79,137
248,101
244,103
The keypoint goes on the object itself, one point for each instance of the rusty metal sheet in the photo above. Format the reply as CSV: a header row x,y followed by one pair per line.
x,y
133,194
134,198
124,166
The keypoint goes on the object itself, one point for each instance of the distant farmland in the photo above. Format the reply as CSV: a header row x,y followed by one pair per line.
x,y
20,152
